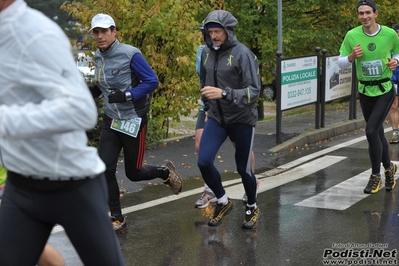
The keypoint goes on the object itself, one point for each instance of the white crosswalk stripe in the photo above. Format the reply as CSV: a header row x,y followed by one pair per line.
x,y
343,195
236,191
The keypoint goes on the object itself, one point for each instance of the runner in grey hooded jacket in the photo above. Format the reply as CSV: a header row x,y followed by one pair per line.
x,y
230,86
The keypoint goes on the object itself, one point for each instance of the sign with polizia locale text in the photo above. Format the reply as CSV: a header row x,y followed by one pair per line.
x,y
299,79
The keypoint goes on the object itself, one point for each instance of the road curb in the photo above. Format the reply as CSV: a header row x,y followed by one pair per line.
x,y
308,137
164,141
316,135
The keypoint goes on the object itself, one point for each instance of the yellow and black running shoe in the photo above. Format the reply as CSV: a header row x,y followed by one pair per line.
x,y
373,185
390,182
219,213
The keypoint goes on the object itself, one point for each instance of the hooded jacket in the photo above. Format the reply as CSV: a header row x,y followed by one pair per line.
x,y
233,68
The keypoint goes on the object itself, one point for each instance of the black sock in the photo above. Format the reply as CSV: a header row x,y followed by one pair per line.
x,y
163,173
120,218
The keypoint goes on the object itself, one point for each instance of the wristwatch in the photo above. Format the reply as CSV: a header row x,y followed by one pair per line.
x,y
128,95
224,94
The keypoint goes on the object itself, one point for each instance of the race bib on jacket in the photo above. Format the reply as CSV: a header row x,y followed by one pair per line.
x,y
129,127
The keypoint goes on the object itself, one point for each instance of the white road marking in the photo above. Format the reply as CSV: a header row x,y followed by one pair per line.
x,y
343,195
325,151
320,153
237,191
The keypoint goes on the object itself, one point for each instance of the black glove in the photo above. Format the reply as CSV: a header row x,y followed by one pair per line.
x,y
116,96
95,91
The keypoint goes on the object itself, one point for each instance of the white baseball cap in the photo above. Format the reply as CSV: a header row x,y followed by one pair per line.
x,y
102,21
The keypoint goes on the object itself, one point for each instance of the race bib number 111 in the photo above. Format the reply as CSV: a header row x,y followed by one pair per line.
x,y
130,127
372,69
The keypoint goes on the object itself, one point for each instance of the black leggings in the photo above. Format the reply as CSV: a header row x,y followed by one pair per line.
x,y
212,139
30,208
111,143
375,110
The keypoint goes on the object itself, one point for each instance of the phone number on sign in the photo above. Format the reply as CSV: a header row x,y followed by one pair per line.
x,y
299,92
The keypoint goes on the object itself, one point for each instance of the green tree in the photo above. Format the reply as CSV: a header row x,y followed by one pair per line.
x,y
164,32
51,8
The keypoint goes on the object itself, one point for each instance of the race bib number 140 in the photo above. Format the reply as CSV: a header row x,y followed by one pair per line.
x,y
130,127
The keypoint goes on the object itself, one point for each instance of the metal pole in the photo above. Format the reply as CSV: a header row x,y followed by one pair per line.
x,y
279,115
352,102
278,70
323,87
280,25
317,121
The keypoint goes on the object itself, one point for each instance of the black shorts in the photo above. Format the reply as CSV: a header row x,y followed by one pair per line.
x,y
200,120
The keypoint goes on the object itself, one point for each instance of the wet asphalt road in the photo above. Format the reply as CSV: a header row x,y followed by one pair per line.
x,y
313,212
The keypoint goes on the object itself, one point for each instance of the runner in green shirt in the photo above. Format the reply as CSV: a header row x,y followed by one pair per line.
x,y
370,47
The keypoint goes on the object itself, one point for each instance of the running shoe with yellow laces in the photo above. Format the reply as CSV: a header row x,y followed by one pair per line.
x,y
174,180
373,185
220,212
390,182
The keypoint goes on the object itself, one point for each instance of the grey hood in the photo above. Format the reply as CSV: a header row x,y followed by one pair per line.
x,y
228,21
